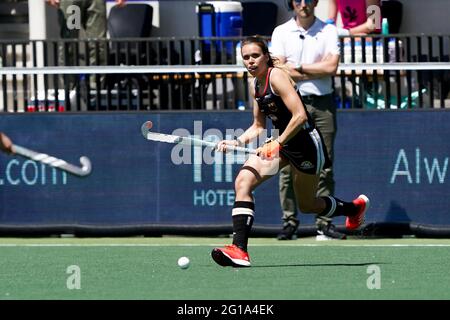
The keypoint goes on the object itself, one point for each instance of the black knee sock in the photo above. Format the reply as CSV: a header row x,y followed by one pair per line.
x,y
242,215
335,207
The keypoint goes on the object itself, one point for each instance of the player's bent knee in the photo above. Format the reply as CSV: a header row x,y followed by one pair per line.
x,y
242,184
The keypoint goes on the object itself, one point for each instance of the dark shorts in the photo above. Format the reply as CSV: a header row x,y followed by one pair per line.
x,y
307,152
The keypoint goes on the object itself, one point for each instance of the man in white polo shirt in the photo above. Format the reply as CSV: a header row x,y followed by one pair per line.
x,y
310,49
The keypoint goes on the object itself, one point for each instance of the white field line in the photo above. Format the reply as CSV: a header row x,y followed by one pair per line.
x,y
208,245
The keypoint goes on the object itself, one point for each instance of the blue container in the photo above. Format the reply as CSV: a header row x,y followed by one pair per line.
x,y
220,19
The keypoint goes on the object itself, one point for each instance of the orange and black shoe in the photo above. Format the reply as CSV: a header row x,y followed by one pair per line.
x,y
231,255
354,222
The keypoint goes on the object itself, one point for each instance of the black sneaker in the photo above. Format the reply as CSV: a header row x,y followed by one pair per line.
x,y
328,232
289,232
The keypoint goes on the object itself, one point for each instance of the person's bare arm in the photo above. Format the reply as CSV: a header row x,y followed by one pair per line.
x,y
257,127
332,9
5,143
121,3
53,3
259,121
283,87
326,67
368,26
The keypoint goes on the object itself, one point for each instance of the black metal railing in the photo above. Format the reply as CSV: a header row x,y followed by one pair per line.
x,y
356,85
400,88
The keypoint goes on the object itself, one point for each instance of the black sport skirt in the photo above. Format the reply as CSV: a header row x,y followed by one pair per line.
x,y
306,151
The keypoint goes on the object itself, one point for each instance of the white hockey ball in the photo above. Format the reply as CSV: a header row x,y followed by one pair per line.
x,y
183,262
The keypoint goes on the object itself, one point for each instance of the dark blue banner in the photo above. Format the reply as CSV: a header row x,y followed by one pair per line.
x,y
399,159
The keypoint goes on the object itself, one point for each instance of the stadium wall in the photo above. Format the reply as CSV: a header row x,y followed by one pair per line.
x,y
398,158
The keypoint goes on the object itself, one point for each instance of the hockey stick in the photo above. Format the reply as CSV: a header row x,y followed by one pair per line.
x,y
55,162
169,138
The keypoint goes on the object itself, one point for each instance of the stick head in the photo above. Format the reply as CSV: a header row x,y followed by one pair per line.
x,y
148,124
86,166
145,128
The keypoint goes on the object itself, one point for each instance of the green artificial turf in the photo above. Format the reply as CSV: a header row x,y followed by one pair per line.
x,y
146,268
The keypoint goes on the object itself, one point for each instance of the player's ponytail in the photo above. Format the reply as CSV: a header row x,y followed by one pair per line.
x,y
277,64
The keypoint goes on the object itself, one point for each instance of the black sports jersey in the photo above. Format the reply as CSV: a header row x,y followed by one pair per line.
x,y
273,106
306,150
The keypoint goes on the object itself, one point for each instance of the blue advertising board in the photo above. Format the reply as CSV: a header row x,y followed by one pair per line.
x,y
399,159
